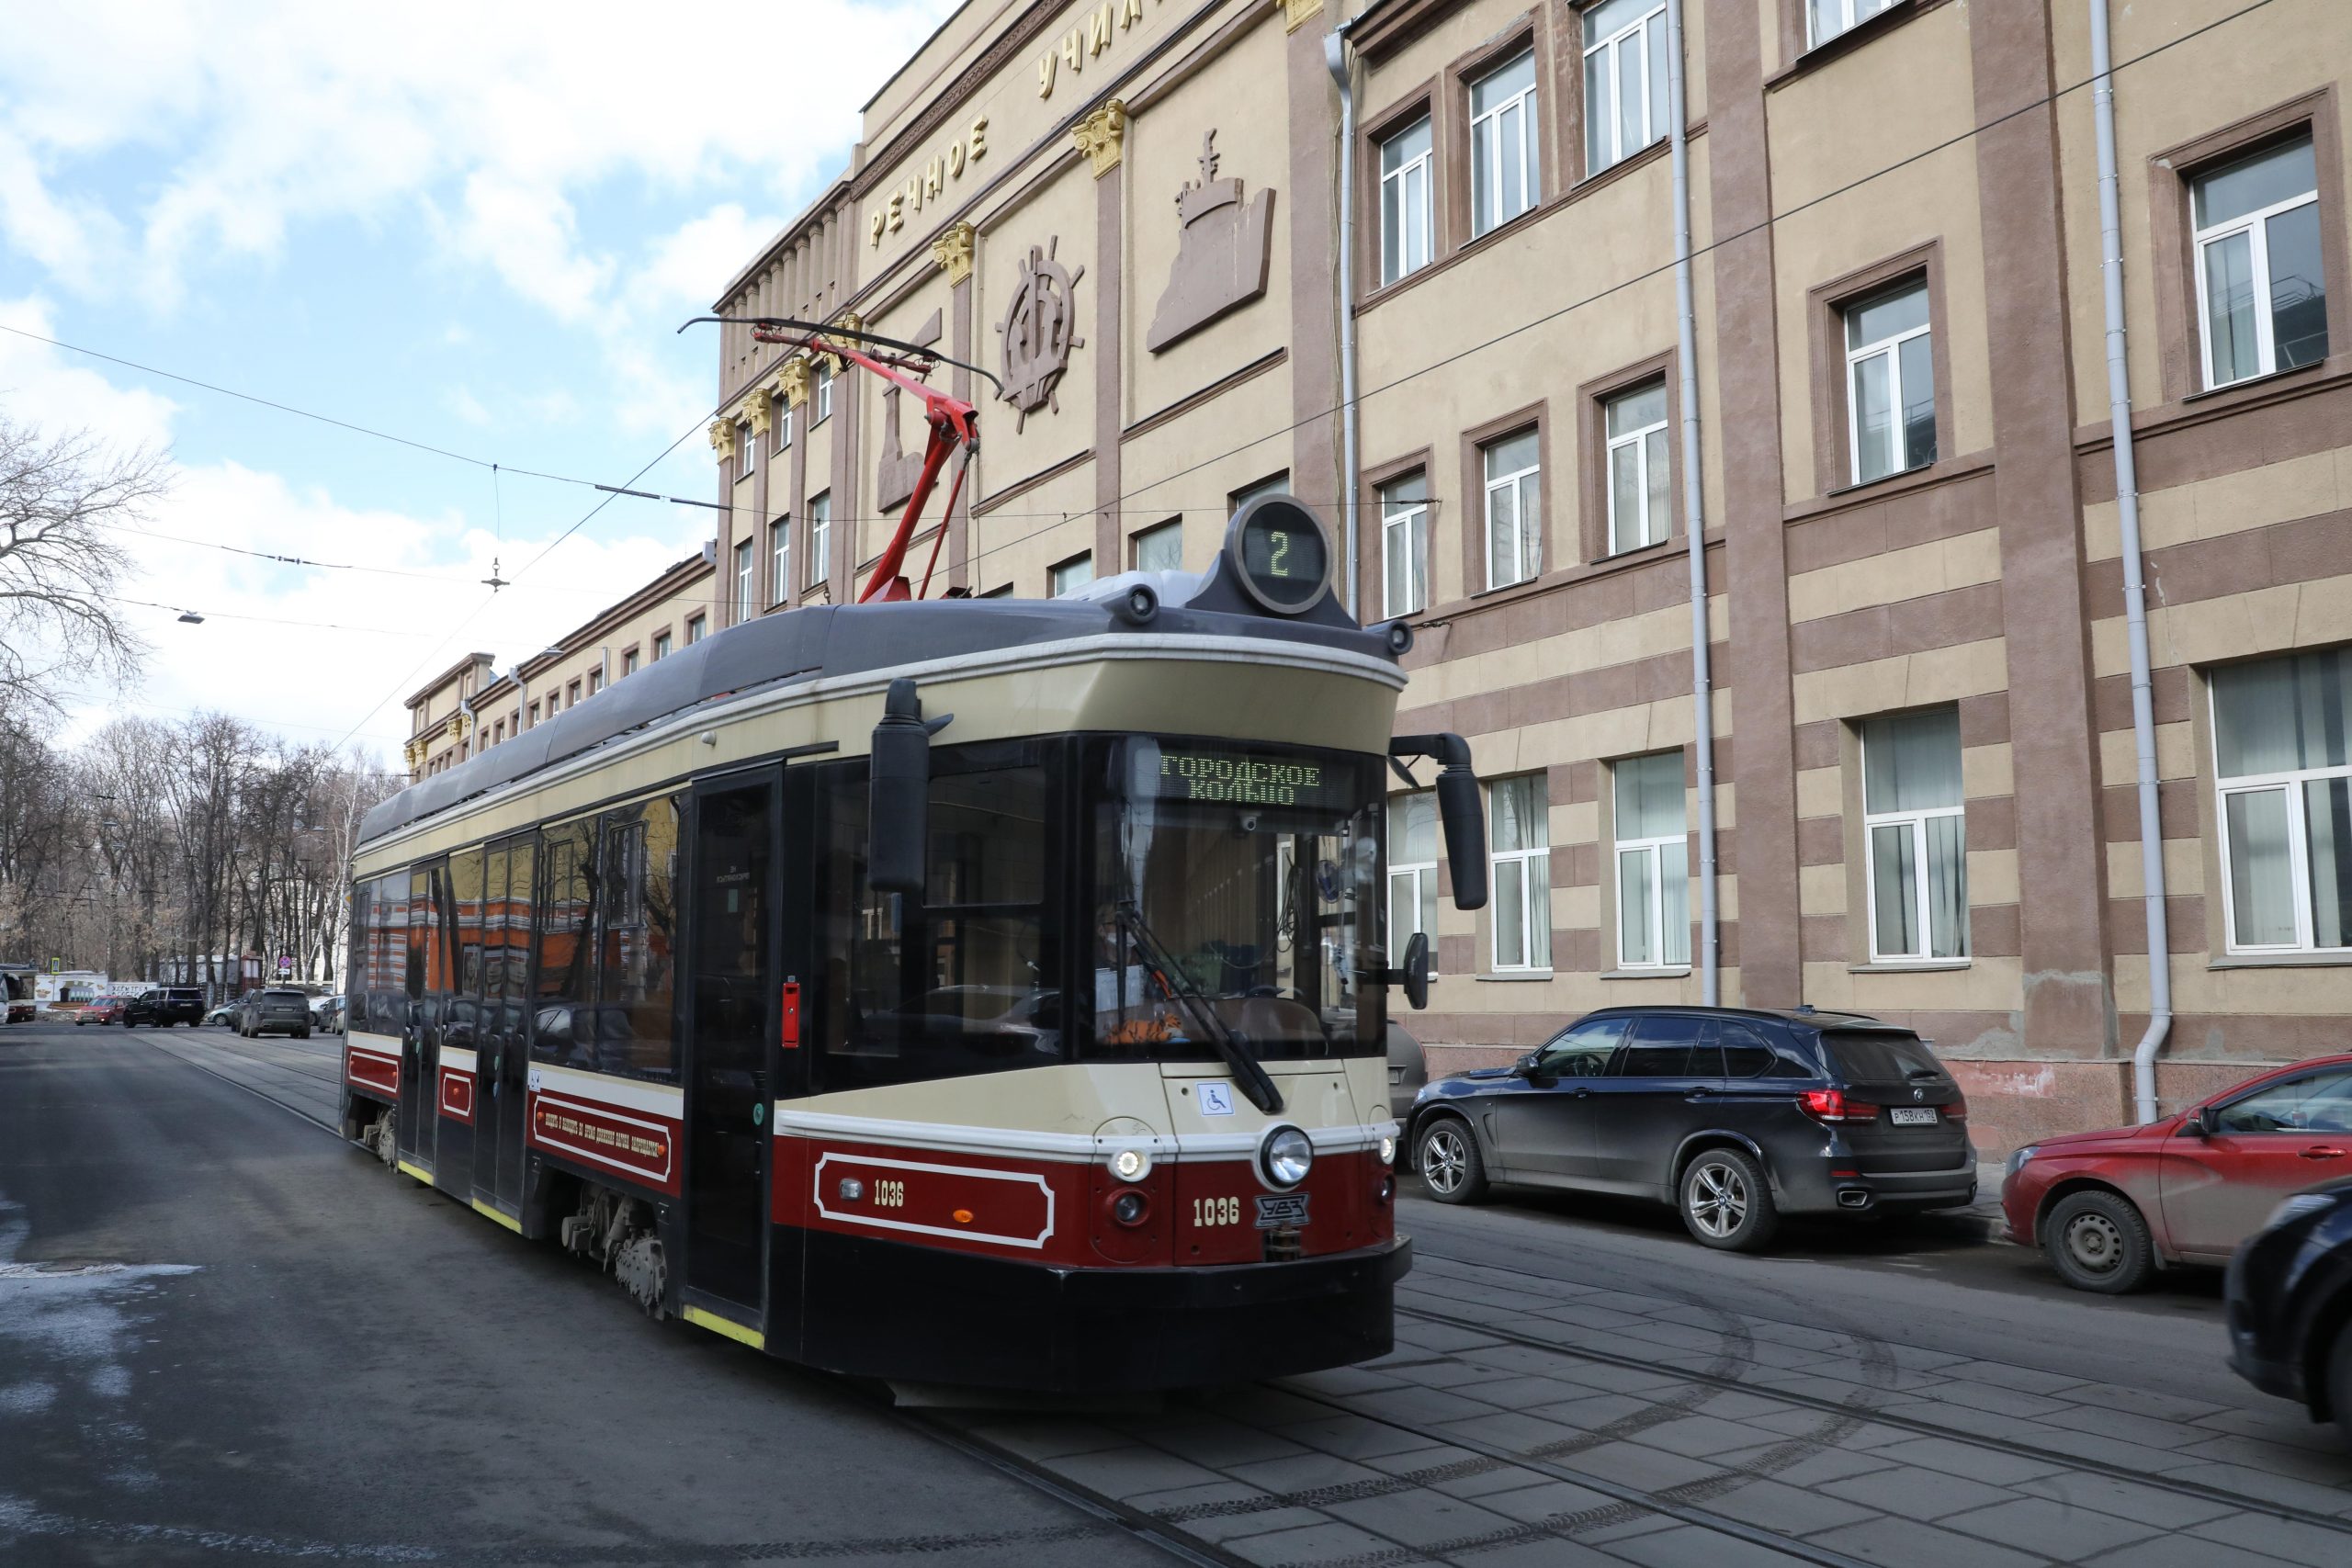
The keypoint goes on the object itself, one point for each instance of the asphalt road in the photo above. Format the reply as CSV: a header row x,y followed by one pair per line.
x,y
294,1353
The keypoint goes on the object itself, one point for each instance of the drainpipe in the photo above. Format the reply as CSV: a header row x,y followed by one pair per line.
x,y
1335,60
1694,509
2136,590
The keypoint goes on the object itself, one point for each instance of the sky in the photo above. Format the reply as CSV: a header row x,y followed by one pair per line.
x,y
471,227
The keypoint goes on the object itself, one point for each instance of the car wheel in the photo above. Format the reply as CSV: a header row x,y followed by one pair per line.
x,y
1725,1202
1449,1163
302,1034
2098,1241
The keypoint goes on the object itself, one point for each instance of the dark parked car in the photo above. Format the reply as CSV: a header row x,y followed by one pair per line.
x,y
2290,1303
165,1005
1408,1072
274,1008
1735,1117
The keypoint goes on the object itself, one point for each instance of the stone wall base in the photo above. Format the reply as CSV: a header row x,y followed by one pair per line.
x,y
2010,1102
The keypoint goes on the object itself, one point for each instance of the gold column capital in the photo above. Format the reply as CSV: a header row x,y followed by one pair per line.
x,y
722,438
1102,135
1297,13
952,251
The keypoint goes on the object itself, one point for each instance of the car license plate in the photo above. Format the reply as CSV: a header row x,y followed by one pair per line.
x,y
1282,1208
1912,1115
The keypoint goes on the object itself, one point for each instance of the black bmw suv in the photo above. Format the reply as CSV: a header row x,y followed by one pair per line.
x,y
164,1006
1734,1116
2289,1300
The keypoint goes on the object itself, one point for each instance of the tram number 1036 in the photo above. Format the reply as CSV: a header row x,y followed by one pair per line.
x,y
889,1195
1217,1212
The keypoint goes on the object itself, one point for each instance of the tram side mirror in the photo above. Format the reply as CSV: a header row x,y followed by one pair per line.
x,y
1458,808
898,802
1416,973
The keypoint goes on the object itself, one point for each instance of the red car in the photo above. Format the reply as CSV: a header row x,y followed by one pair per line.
x,y
107,1010
2111,1208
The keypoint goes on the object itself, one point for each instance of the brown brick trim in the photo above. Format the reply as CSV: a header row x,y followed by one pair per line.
x,y
2300,549
1214,389
995,499
1825,314
1373,577
1414,102
1473,483
1314,234
1390,27
1592,449
2171,229
1906,625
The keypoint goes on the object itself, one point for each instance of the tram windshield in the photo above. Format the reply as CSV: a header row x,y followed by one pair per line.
x,y
1235,890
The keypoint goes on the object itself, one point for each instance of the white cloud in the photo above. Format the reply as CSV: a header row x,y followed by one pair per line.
x,y
466,406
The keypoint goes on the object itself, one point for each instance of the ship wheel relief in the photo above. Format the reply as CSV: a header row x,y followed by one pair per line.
x,y
1040,329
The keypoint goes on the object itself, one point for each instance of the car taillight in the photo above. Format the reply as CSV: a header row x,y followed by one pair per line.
x,y
1831,1105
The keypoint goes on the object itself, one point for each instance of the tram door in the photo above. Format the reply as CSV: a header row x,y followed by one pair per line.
x,y
511,1061
420,1031
732,993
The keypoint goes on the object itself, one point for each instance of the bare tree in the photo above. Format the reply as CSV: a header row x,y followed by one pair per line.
x,y
60,566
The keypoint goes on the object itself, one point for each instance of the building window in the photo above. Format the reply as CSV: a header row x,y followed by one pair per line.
x,y
821,393
1514,509
1522,811
2259,274
628,661
780,559
661,647
1890,382
1160,548
1825,19
1404,544
1277,485
1404,210
746,452
783,425
535,715
498,732
572,698
742,580
1504,178
2281,753
1624,80
1069,576
1412,870
696,626
595,682
820,536
1640,505
1915,836
1653,862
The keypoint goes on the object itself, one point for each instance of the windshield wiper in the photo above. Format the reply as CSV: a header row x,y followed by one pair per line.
x,y
1254,1080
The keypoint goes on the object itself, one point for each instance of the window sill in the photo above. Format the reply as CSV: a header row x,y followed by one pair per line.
x,y
1852,39
1943,470
1680,974
2333,960
1908,966
1515,977
2243,382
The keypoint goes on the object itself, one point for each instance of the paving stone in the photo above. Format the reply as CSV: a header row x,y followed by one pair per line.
x,y
1484,1483
1422,1407
1421,1517
1734,1405
2283,1425
1052,1440
1800,1423
1633,1464
1901,1543
2052,1528
1514,1358
1632,1301
1592,1411
1263,1405
1613,1378
1320,1543
2188,1552
1775,1505
2247,1481
1587,1315
2115,1451
1221,1530
1514,1429
1948,1456
1126,1472
1798,1335
1220,1445
1829,1464
2324,1466
1681,1337
2156,1505
1415,1461
2145,1402
2289,1541
1208,1493
1337,1381
1521,1392
1545,1551
2005,1374
1701,1436
1544,1500
1916,1494
2149,1430
1688,1544
1283,1477
1442,1337
2000,1401
1355,1436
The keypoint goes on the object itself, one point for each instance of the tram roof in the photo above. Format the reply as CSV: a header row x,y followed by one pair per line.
x,y
820,642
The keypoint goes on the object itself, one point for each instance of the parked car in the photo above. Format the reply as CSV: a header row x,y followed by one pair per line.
x,y
2289,1303
2109,1208
1736,1117
225,1015
165,1005
326,1015
274,1007
105,1010
1408,1072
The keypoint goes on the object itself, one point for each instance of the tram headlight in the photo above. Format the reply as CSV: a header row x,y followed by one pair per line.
x,y
1131,1165
1286,1157
1130,1209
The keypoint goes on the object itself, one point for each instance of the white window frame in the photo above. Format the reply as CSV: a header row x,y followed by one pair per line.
x,y
1421,875
1409,596
780,561
697,629
1634,34
1639,440
745,560
1854,12
1412,182
820,395
1515,862
2290,783
1487,146
2255,226
783,423
820,538
1516,477
746,452
1054,588
1891,347
1654,878
1916,821
1174,528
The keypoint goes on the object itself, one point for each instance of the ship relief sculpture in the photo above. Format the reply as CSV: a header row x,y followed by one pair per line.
x,y
1040,328
1224,245
895,475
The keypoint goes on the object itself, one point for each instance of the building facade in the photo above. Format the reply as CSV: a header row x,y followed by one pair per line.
x,y
1131,213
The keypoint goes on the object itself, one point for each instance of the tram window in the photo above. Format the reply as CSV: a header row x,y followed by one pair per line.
x,y
564,1021
637,940
964,982
355,967
387,943
514,984
463,980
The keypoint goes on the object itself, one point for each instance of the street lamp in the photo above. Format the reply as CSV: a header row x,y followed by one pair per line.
x,y
189,617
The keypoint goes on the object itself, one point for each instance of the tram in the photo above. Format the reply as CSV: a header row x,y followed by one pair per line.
x,y
975,992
